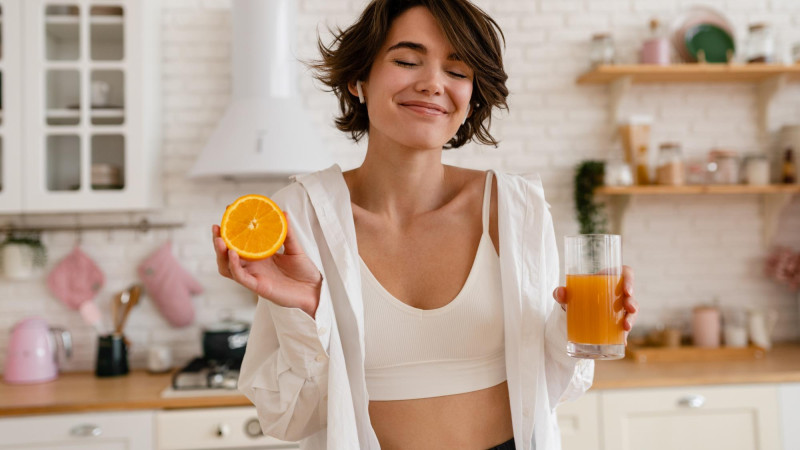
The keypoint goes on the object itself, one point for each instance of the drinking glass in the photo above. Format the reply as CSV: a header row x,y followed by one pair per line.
x,y
595,313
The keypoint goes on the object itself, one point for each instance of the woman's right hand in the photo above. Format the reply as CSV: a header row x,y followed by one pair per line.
x,y
290,279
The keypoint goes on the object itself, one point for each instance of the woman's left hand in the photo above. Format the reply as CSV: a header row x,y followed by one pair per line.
x,y
629,303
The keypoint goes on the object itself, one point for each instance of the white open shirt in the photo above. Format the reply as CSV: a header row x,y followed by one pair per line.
x,y
306,376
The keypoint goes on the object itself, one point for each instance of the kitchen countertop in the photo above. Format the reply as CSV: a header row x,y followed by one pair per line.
x,y
779,365
83,392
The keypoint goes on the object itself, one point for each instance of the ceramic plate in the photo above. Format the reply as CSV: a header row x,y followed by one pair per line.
x,y
696,16
712,40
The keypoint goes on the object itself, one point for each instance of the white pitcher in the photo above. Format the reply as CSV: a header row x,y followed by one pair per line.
x,y
17,261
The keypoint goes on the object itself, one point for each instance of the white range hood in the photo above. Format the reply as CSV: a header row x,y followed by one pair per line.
x,y
264,132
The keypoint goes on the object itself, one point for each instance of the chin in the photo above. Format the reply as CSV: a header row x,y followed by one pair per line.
x,y
421,140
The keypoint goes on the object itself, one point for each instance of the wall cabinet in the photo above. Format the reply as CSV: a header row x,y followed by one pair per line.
x,y
742,417
100,431
80,111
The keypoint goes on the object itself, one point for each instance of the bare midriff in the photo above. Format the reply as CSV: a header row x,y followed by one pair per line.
x,y
473,420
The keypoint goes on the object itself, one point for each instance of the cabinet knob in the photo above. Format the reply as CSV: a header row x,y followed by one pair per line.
x,y
692,401
253,428
86,430
223,430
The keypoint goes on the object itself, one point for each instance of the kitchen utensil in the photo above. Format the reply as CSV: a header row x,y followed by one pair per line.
x,y
696,16
715,43
169,286
129,299
75,281
225,340
33,351
112,356
706,327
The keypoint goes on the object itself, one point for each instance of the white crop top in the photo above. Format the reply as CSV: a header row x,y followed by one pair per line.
x,y
416,353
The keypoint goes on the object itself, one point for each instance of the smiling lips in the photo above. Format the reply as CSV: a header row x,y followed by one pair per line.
x,y
425,108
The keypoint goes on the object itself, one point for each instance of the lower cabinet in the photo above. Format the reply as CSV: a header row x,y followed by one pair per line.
x,y
741,417
91,431
579,422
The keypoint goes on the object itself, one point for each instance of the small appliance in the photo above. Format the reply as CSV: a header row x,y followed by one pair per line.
x,y
33,351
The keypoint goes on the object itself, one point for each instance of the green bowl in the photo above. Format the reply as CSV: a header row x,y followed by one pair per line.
x,y
713,40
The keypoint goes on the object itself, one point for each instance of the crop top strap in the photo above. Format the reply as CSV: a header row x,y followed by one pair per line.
x,y
487,201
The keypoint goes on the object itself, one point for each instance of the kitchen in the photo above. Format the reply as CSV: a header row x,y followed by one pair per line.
x,y
571,85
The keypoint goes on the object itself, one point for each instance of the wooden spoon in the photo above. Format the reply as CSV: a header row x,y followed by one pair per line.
x,y
133,293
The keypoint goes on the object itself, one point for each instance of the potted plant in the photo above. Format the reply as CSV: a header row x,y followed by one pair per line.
x,y
588,177
21,254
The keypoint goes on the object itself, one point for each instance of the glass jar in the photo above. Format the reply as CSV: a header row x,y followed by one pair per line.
x,y
671,170
796,53
760,44
602,50
756,170
617,173
725,166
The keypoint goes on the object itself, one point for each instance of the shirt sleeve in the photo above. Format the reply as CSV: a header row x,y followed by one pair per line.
x,y
285,367
567,377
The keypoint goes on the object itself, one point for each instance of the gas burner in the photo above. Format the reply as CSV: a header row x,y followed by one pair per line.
x,y
201,373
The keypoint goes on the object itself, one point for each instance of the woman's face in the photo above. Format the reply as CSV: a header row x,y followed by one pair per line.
x,y
418,90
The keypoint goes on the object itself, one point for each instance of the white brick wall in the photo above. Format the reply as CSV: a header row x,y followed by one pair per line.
x,y
685,251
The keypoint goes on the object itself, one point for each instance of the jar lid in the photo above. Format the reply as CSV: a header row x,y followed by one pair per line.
x,y
669,145
757,26
600,36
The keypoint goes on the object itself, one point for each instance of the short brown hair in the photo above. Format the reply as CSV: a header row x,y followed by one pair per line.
x,y
477,40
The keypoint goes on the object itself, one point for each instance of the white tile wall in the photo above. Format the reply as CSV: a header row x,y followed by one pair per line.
x,y
685,250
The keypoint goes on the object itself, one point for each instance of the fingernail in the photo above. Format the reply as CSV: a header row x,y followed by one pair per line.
x,y
630,291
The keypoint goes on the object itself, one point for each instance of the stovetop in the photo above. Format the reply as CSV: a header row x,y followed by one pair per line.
x,y
201,374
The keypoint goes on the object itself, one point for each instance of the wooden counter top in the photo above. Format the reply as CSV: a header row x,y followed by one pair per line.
x,y
780,365
83,392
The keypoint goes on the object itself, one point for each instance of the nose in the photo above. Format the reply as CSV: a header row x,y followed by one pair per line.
x,y
430,82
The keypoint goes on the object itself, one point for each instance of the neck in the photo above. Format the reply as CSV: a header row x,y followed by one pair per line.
x,y
399,182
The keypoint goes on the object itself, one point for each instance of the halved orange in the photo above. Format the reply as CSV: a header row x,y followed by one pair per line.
x,y
254,227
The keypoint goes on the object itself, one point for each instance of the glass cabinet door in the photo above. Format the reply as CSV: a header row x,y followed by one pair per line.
x,y
10,106
81,68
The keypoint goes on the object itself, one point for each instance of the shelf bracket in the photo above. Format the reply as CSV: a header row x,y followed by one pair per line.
x,y
767,91
772,209
618,88
617,208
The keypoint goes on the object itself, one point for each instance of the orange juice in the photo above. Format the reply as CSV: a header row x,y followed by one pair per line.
x,y
594,309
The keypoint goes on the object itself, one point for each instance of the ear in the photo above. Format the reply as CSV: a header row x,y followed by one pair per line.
x,y
352,87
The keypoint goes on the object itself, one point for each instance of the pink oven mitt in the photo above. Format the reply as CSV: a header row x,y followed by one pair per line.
x,y
75,280
170,286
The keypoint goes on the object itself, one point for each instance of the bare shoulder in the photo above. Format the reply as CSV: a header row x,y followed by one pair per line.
x,y
474,182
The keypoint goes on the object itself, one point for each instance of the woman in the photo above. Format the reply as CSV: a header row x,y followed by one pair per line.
x,y
411,307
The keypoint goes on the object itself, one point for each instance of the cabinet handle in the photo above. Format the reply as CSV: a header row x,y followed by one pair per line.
x,y
692,401
223,430
87,430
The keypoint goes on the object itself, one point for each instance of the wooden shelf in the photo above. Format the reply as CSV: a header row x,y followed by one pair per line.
x,y
774,197
699,189
770,78
690,73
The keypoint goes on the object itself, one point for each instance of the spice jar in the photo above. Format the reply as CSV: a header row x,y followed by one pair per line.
x,y
671,170
756,170
602,49
788,171
726,166
760,44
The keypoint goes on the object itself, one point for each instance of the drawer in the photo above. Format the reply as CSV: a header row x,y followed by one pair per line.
x,y
213,428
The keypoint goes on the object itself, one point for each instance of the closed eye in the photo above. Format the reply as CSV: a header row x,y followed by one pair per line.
x,y
457,75
402,63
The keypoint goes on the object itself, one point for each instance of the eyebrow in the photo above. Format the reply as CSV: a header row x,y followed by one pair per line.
x,y
417,47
